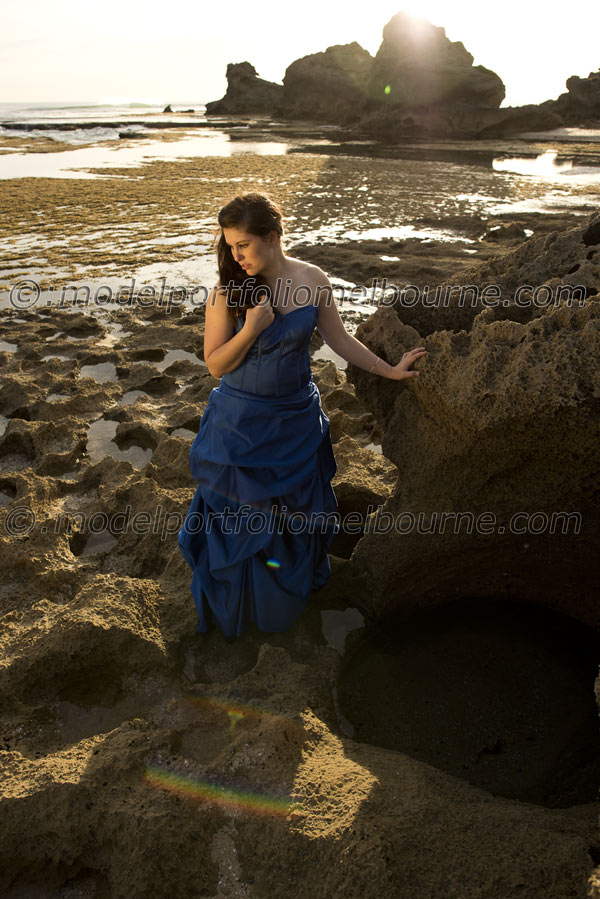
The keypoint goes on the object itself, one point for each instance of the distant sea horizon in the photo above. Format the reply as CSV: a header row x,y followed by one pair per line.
x,y
87,121
36,108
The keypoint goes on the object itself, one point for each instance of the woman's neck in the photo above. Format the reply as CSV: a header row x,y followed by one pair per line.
x,y
279,268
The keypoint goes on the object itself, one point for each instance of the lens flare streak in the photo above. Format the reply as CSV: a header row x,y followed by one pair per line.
x,y
244,800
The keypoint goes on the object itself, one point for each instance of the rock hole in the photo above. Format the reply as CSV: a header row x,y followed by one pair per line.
x,y
77,542
594,852
498,693
592,235
343,544
148,354
130,397
8,491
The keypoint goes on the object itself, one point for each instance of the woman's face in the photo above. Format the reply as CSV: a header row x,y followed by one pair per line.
x,y
249,250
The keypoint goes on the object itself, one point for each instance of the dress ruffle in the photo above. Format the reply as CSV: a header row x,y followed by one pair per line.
x,y
263,466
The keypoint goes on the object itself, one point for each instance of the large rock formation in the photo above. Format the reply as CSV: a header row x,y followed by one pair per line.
x,y
580,105
246,92
504,419
424,85
417,65
329,86
420,84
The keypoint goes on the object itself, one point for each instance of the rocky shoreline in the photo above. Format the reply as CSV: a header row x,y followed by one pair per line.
x,y
419,85
130,743
141,759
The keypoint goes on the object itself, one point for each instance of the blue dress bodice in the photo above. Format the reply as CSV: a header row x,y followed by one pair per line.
x,y
278,362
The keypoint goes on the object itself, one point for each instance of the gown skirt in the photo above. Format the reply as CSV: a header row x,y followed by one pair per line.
x,y
264,514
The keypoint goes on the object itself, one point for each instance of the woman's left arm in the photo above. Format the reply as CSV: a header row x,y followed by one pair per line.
x,y
333,332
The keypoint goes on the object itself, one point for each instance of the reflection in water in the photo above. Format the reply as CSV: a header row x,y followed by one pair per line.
x,y
183,432
114,335
101,371
546,166
101,542
101,443
374,447
326,354
553,201
403,232
178,356
72,163
131,396
337,625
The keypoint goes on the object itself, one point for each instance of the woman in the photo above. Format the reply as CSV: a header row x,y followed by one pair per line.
x,y
264,514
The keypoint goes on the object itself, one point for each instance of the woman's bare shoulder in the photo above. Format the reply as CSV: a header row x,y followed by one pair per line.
x,y
309,270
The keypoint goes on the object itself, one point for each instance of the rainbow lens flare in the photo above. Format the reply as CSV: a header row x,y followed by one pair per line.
x,y
203,790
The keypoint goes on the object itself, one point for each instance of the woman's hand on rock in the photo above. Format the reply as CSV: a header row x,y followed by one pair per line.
x,y
402,369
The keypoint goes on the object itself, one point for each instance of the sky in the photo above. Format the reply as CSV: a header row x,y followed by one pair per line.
x,y
145,50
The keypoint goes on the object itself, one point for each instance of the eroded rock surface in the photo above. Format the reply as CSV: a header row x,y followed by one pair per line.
x,y
503,419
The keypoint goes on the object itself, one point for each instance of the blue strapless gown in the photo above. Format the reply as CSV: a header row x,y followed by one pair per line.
x,y
262,453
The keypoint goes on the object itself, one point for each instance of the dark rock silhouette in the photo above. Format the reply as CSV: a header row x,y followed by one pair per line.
x,y
417,65
580,105
331,85
424,85
246,92
167,108
419,85
458,120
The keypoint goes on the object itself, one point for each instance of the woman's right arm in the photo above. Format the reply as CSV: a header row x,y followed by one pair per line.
x,y
223,349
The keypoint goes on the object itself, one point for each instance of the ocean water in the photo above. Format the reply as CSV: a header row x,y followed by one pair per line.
x,y
120,135
89,122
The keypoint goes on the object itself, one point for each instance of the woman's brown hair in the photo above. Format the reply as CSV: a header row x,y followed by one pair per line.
x,y
255,213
